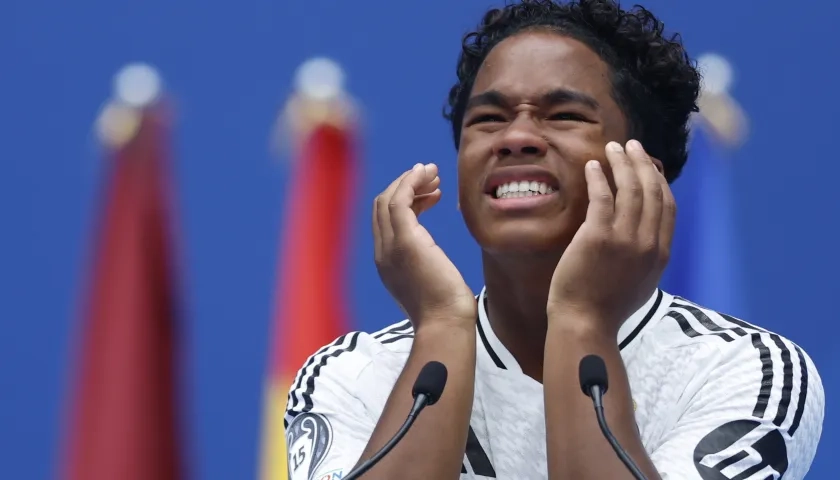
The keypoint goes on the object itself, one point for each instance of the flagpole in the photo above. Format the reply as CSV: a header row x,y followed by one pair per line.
x,y
124,413
317,128
706,264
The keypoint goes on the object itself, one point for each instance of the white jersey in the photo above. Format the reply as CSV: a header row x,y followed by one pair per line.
x,y
715,398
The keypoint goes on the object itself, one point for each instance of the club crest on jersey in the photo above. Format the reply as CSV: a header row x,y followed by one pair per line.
x,y
309,438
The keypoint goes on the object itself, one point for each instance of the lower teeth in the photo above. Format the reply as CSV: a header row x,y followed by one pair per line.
x,y
519,194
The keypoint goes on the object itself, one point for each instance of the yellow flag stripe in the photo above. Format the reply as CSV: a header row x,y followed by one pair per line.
x,y
273,463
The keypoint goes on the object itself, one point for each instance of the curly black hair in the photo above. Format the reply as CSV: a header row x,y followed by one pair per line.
x,y
655,83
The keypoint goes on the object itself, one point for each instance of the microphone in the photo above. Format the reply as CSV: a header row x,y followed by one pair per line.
x,y
593,381
426,391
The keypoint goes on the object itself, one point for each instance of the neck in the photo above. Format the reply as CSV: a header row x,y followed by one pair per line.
x,y
517,295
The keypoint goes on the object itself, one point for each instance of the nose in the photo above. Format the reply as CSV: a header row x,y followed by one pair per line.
x,y
521,138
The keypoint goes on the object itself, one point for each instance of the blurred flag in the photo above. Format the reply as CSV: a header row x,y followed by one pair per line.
x,y
124,417
310,309
705,262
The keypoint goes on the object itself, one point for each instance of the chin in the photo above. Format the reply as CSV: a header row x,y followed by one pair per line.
x,y
528,237
547,230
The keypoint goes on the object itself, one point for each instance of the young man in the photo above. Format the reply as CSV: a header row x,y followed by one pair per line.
x,y
570,121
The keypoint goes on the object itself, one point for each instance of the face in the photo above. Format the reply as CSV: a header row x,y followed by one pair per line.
x,y
540,108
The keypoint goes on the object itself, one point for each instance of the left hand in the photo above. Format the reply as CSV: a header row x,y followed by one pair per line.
x,y
615,260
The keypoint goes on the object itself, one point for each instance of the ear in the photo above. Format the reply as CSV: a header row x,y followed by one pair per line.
x,y
659,165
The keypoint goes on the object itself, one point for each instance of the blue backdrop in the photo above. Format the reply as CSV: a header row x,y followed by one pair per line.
x,y
230,64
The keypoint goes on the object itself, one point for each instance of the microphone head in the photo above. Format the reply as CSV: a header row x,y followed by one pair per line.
x,y
430,382
592,371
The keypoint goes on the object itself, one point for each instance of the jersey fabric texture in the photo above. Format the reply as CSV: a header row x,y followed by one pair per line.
x,y
715,398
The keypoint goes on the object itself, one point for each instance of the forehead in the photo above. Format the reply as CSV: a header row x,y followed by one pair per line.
x,y
531,63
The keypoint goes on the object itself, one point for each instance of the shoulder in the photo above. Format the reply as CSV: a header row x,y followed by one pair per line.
x,y
338,375
397,337
343,360
785,378
352,351
686,322
732,337
743,389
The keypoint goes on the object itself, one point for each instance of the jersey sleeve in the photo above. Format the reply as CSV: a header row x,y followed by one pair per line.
x,y
758,416
327,425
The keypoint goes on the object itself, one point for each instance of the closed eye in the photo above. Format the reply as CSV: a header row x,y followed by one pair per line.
x,y
487,118
569,116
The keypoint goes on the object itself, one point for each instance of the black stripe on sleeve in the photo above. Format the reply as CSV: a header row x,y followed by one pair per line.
x,y
684,325
708,323
644,321
758,336
310,381
803,391
298,383
398,328
787,386
741,323
767,369
397,338
767,376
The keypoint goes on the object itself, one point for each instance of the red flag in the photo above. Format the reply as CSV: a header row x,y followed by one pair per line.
x,y
310,310
124,422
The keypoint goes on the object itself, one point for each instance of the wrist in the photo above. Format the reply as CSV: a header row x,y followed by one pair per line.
x,y
582,324
434,326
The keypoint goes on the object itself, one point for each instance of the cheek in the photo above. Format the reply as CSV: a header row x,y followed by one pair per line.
x,y
580,143
466,182
475,145
472,159
581,146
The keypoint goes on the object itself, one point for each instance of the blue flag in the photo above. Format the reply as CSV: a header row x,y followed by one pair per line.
x,y
705,265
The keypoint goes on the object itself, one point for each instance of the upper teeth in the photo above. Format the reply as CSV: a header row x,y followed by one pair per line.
x,y
522,189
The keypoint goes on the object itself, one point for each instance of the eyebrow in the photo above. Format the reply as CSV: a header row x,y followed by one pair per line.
x,y
557,96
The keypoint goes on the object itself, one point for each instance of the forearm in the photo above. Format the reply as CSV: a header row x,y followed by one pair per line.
x,y
434,447
575,445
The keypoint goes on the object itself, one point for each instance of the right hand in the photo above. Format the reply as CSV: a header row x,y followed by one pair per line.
x,y
420,277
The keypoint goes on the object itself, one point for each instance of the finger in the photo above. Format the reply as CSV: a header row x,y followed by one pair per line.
x,y
425,201
652,194
383,217
669,217
428,188
628,195
601,204
403,217
427,196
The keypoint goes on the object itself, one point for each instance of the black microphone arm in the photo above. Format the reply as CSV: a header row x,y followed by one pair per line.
x,y
426,391
593,382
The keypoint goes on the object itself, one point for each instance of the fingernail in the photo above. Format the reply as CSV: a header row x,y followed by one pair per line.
x,y
430,164
416,166
635,145
593,165
615,147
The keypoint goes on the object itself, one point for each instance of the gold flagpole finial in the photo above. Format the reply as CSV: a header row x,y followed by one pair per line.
x,y
136,87
718,109
319,98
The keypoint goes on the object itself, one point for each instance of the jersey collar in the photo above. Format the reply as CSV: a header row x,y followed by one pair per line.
x,y
495,352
